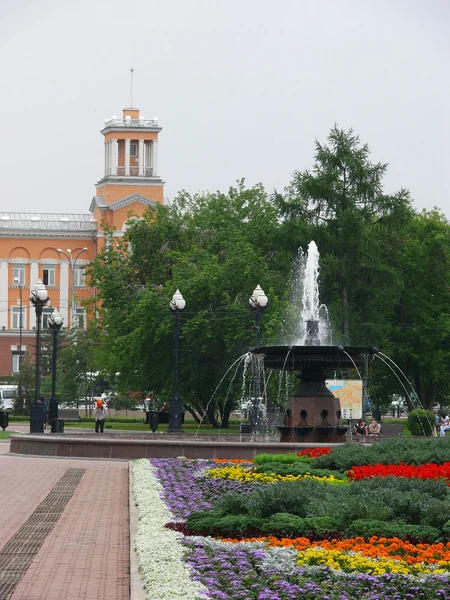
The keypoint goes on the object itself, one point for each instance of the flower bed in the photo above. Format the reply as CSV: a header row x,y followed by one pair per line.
x,y
271,567
426,471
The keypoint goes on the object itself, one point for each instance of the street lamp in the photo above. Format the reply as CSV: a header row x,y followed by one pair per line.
x,y
16,280
258,302
39,299
72,263
177,305
55,322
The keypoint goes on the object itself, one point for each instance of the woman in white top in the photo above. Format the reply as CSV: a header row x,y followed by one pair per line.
x,y
100,416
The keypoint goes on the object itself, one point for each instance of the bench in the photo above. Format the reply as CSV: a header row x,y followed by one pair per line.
x,y
64,414
388,431
69,414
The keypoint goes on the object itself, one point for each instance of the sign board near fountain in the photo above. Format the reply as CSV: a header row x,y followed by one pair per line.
x,y
349,392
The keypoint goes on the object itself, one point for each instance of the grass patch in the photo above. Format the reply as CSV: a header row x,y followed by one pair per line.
x,y
189,427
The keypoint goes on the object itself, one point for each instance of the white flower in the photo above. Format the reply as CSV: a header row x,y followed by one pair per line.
x,y
164,575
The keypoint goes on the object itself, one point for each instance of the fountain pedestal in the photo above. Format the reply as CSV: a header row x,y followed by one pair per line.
x,y
313,414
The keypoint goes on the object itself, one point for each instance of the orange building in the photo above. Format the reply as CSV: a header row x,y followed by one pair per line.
x,y
56,247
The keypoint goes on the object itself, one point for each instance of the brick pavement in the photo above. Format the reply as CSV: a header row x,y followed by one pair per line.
x,y
86,555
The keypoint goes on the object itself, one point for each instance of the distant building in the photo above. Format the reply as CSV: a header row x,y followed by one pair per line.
x,y
56,247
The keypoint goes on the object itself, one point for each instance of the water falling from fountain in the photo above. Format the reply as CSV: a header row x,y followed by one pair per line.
x,y
306,305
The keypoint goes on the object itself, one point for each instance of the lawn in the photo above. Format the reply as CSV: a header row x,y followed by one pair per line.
x,y
189,427
352,522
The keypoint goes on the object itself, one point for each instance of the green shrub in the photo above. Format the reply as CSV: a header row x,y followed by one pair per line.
x,y
233,503
421,422
446,529
400,450
298,468
288,458
294,526
367,528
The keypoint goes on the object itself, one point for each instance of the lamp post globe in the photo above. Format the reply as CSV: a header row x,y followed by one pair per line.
x,y
177,305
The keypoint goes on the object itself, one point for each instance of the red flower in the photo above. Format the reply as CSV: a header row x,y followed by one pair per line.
x,y
314,452
425,471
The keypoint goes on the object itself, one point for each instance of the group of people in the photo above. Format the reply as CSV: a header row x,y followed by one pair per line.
x,y
373,428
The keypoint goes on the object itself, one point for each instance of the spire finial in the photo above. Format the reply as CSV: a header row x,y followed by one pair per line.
x,y
131,87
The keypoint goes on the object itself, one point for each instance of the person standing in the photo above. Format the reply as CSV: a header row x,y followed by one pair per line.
x,y
100,416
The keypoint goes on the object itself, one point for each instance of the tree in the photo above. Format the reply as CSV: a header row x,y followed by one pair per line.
x,y
215,248
341,204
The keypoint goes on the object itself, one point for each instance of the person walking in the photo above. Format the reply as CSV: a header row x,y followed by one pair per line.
x,y
100,416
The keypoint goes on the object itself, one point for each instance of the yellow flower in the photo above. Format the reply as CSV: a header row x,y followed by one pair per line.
x,y
350,562
240,473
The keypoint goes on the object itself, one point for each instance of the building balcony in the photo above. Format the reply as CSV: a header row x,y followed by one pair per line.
x,y
130,122
134,172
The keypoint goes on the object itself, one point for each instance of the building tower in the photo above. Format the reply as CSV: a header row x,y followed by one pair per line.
x,y
131,181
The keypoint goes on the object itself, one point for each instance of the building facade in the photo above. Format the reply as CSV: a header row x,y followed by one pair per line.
x,y
56,248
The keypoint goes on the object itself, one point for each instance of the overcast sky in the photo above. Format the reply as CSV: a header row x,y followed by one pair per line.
x,y
242,88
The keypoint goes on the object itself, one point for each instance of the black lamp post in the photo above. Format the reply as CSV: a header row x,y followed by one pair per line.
x,y
258,302
16,280
55,322
39,299
177,305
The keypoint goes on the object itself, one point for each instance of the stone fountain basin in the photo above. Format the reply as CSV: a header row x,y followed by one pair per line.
x,y
297,358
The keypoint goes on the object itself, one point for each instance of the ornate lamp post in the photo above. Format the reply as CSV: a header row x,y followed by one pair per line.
x,y
258,302
20,286
55,322
39,299
177,305
72,264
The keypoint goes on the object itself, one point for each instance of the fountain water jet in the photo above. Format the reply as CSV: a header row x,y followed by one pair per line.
x,y
313,412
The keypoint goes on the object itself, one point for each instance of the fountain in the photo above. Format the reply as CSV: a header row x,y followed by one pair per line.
x,y
313,413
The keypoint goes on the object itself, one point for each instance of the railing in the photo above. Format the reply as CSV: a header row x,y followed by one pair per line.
x,y
46,224
134,172
131,122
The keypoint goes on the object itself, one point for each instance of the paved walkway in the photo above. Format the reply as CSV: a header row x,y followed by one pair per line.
x,y
86,554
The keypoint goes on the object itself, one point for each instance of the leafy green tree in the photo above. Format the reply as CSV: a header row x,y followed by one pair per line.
x,y
341,204
215,248
79,361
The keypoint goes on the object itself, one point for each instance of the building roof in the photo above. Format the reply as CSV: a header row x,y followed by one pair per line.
x,y
58,221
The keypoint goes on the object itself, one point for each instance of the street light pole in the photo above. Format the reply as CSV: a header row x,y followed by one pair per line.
x,y
16,280
72,263
258,302
39,299
55,322
177,305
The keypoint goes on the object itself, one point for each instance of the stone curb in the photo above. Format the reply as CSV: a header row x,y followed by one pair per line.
x,y
137,591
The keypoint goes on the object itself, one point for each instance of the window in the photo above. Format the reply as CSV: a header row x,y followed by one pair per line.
x,y
80,318
16,362
19,273
79,277
16,317
45,315
133,149
48,275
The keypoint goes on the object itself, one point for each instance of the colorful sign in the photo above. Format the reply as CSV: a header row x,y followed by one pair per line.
x,y
349,392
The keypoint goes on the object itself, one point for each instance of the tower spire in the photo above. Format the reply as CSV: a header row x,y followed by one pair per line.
x,y
131,87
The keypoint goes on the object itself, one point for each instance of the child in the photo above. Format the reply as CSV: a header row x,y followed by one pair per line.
x,y
100,416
